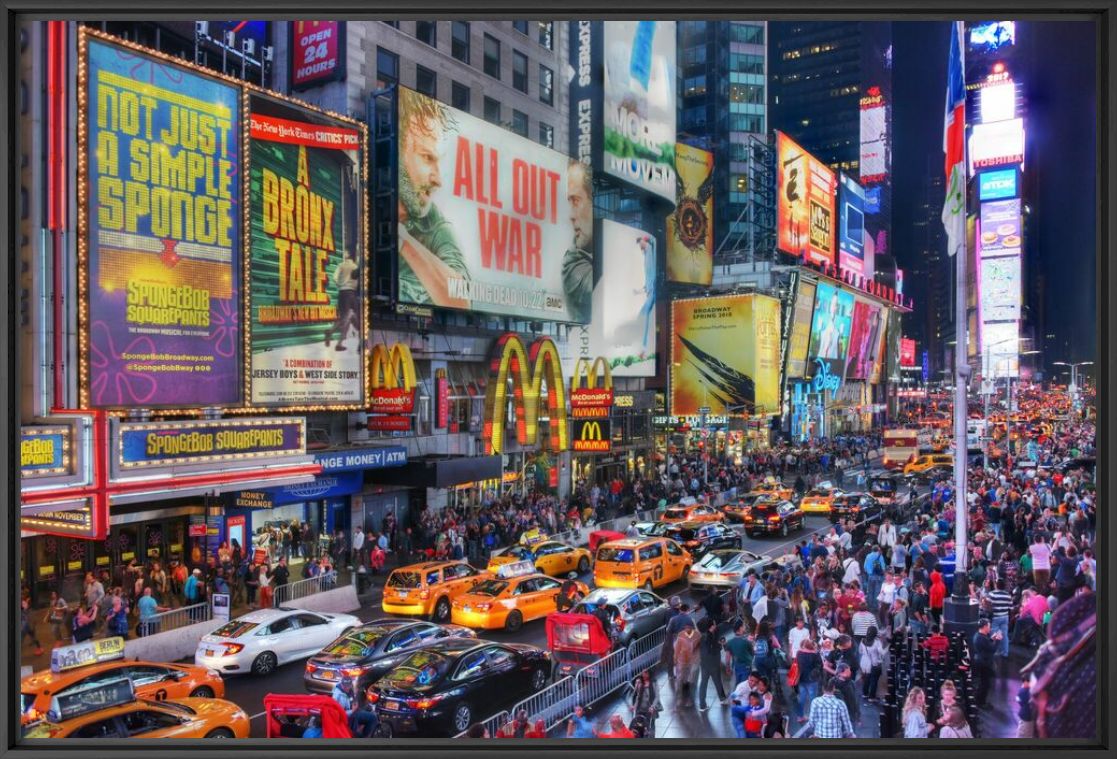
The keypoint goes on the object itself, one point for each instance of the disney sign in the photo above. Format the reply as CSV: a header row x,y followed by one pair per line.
x,y
823,379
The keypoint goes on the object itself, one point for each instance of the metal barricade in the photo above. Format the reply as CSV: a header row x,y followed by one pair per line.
x,y
492,724
175,618
644,653
553,704
304,588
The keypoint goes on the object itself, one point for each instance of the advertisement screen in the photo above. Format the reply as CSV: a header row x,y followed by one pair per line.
x,y
1000,289
639,138
162,157
874,137
623,331
999,349
992,36
804,203
830,328
997,144
725,355
800,337
997,102
880,348
996,185
864,340
851,237
907,352
1000,228
490,221
317,53
306,258
690,229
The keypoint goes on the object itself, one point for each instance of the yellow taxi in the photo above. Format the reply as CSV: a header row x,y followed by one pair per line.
x,y
691,511
775,488
648,562
74,667
818,501
549,557
516,595
929,463
110,709
427,589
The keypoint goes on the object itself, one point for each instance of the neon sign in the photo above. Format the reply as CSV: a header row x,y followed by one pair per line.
x,y
823,379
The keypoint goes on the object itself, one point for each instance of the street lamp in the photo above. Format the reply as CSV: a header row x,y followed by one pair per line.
x,y
1073,372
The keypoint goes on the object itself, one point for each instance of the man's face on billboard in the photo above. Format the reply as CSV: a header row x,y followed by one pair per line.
x,y
581,207
420,163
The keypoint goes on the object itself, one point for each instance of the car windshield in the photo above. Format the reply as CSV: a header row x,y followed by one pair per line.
x,y
234,629
764,508
356,643
172,705
405,580
675,513
582,609
421,668
817,493
490,588
884,485
623,555
26,701
523,553
718,561
682,533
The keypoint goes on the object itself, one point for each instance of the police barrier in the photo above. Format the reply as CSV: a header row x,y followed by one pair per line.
x,y
304,588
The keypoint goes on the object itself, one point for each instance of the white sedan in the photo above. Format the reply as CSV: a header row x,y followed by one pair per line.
x,y
263,639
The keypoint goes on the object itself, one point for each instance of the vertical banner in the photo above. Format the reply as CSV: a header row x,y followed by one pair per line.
x,y
804,203
864,340
159,232
830,328
690,229
725,355
442,391
800,338
307,274
317,53
879,348
851,232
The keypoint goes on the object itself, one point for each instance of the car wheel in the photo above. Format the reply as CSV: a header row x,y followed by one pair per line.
x,y
583,565
783,530
648,585
202,691
538,680
264,664
463,718
514,621
221,732
442,611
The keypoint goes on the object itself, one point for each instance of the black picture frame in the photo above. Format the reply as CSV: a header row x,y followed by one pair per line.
x,y
1103,12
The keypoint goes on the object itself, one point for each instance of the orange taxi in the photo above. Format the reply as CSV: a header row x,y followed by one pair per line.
x,y
518,594
549,556
648,562
110,709
428,589
818,501
775,488
691,512
74,667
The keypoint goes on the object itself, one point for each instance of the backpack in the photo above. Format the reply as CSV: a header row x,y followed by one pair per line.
x,y
760,651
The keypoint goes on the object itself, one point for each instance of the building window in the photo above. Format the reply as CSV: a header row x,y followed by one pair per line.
x,y
546,85
547,34
746,93
745,122
748,33
393,24
546,135
746,63
694,85
521,27
519,71
519,123
427,31
492,56
387,68
459,96
492,110
426,81
459,36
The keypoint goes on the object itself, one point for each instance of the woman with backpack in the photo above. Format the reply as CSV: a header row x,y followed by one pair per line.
x,y
871,664
765,658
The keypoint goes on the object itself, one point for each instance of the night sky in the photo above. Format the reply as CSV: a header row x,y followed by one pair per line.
x,y
1060,81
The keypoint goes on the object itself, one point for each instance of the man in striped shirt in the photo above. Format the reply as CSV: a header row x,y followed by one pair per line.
x,y
1001,602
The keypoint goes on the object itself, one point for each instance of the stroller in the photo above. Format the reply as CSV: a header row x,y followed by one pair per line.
x,y
640,725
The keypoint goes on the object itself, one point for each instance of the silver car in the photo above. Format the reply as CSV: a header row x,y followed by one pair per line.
x,y
724,568
635,613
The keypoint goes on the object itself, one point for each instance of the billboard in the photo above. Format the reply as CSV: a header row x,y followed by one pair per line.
x,y
160,161
526,368
308,302
623,331
1000,345
999,288
830,328
804,203
997,102
1000,143
639,105
851,226
490,221
997,185
894,335
874,137
800,337
880,348
690,229
317,53
1000,228
725,354
907,352
992,36
591,436
864,340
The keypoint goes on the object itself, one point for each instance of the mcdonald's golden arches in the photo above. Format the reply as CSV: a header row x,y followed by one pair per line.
x,y
528,369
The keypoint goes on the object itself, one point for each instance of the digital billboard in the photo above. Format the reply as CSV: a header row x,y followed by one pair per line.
x,y
907,352
1000,345
864,340
804,203
623,330
997,185
992,35
894,336
851,226
999,288
725,354
690,229
639,104
160,158
490,221
830,328
1000,228
307,263
880,348
997,102
1000,143
874,137
800,337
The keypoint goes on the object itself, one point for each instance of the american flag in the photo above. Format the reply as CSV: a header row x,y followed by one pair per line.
x,y
953,145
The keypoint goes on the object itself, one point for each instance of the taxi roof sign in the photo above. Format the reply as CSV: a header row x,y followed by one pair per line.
x,y
532,536
91,698
516,569
88,652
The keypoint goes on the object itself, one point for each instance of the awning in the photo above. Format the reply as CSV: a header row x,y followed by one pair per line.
x,y
439,471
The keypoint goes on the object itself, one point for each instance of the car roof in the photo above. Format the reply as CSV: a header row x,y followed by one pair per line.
x,y
608,595
458,646
426,566
631,542
262,616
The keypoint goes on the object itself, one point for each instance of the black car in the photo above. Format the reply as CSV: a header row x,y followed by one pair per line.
x,y
769,517
442,689
365,654
701,537
860,507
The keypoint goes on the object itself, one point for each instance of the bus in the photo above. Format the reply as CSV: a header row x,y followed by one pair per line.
x,y
900,445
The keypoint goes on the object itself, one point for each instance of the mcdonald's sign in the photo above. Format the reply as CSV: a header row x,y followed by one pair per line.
x,y
592,436
591,401
527,368
393,380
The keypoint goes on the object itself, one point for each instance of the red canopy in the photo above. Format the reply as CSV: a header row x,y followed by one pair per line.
x,y
335,723
597,537
580,633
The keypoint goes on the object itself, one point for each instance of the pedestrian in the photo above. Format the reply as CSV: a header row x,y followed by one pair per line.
x,y
741,650
84,622
149,610
26,629
915,714
579,725
1025,709
645,701
936,597
954,725
264,581
810,673
687,643
710,662
56,616
617,729
847,692
829,716
982,650
356,556
872,664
